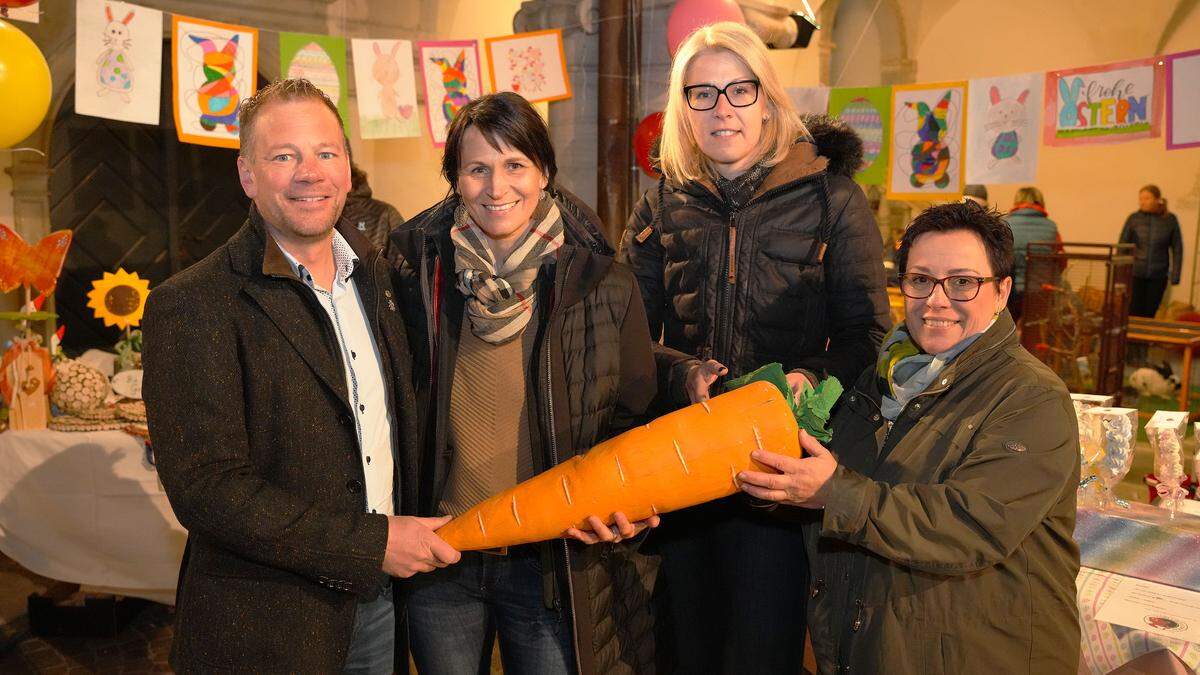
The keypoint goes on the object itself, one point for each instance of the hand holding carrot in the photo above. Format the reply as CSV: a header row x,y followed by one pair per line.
x,y
621,529
413,546
800,482
700,379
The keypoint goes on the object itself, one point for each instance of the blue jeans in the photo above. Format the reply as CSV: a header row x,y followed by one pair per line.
x,y
373,643
453,614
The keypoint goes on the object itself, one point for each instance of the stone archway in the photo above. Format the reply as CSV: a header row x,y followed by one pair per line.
x,y
895,66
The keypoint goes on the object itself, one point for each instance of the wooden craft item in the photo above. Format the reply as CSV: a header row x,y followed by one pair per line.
x,y
37,266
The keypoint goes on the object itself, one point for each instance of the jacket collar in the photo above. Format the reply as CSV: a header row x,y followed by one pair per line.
x,y
801,162
253,248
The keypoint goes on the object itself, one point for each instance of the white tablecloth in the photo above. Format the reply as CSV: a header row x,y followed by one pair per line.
x,y
88,508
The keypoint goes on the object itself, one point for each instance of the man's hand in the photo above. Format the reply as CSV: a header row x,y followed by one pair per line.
x,y
622,529
700,379
414,547
798,381
800,482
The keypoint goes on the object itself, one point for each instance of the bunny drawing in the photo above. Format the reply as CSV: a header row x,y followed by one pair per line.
x,y
931,156
1068,111
114,68
217,97
455,82
1004,118
386,72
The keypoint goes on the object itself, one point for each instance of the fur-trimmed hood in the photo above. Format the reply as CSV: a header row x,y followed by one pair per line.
x,y
837,142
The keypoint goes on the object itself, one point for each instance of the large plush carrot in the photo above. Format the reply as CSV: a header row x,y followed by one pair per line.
x,y
685,458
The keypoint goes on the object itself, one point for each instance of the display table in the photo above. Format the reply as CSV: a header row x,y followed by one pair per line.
x,y
1139,542
88,508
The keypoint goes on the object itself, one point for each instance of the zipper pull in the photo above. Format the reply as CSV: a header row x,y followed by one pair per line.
x,y
858,619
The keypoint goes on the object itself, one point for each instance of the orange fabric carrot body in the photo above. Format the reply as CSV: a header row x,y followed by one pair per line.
x,y
688,457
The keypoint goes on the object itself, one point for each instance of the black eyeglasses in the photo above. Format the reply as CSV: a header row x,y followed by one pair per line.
x,y
958,288
739,94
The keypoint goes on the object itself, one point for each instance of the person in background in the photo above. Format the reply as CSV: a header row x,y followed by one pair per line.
x,y
373,217
1158,256
1029,223
976,193
756,247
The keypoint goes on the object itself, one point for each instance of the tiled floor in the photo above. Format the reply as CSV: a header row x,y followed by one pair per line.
x,y
141,648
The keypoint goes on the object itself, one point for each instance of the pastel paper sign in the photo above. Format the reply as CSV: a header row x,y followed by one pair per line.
x,y
1002,129
119,299
387,88
451,75
37,266
118,61
214,67
868,111
320,59
530,64
1103,104
1183,100
927,141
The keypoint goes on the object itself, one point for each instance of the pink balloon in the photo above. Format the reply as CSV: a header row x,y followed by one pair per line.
x,y
688,15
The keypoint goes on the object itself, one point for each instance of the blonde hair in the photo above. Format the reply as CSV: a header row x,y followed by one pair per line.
x,y
1029,195
679,155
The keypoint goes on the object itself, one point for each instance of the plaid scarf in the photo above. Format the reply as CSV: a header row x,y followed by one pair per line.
x,y
737,191
500,296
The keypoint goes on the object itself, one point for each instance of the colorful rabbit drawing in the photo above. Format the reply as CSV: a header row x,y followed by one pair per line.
x,y
931,156
1068,112
218,98
1005,118
454,79
114,69
386,72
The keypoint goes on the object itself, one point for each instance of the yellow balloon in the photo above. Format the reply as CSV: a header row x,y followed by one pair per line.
x,y
24,85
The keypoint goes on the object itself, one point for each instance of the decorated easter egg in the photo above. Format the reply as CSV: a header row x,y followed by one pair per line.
x,y
312,63
864,117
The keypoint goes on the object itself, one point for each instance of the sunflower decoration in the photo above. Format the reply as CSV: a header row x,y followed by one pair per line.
x,y
119,299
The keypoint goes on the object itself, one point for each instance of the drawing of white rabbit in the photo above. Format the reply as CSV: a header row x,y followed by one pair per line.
x,y
114,67
1005,118
386,72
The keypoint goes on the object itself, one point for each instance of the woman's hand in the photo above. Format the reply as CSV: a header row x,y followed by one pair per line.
x,y
800,482
621,529
700,379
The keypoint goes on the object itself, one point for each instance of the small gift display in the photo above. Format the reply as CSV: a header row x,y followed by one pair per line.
x,y
1112,435
1166,431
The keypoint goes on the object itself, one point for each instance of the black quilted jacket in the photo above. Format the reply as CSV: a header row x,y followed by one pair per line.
x,y
591,376
795,276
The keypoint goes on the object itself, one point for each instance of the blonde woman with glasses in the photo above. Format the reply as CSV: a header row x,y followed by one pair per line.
x,y
755,247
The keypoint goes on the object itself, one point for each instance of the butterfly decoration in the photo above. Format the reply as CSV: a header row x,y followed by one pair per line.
x,y
25,265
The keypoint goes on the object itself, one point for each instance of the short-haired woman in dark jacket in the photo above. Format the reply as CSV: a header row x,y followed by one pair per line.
x,y
1159,254
535,346
756,247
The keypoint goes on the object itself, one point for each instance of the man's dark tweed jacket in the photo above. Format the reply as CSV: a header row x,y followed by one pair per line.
x,y
255,444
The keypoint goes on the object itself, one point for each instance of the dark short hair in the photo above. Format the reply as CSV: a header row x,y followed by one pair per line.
x,y
506,118
285,91
988,224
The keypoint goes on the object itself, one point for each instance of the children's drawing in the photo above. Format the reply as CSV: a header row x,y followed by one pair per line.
x,y
320,59
1002,129
1103,104
530,64
214,70
118,61
927,141
1183,100
451,73
868,111
387,97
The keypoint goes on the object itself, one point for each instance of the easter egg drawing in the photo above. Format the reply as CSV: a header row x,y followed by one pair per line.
x,y
864,117
312,63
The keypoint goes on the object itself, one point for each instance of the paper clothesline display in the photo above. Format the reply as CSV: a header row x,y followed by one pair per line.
x,y
215,66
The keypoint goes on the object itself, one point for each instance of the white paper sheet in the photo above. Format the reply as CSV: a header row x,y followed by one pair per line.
x,y
1154,608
